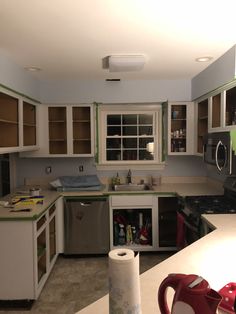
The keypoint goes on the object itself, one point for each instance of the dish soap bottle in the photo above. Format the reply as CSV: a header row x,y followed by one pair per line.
x,y
117,179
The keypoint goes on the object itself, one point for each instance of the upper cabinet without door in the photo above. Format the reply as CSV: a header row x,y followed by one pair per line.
x,y
181,128
17,123
222,110
65,131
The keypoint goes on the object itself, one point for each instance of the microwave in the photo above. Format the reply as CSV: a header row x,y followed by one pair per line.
x,y
217,151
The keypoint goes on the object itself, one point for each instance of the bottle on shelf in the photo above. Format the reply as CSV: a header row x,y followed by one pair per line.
x,y
129,237
121,235
117,178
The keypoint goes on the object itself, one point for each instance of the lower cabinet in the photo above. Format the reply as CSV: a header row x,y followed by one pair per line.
x,y
29,250
167,221
143,222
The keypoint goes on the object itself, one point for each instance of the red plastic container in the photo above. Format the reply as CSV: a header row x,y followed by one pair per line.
x,y
228,293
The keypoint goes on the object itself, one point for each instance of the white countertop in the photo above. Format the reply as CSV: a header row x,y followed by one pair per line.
x,y
212,257
179,188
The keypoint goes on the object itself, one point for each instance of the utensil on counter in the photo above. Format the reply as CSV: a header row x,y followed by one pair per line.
x,y
193,295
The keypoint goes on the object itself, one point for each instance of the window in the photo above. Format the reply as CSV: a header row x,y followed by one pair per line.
x,y
129,134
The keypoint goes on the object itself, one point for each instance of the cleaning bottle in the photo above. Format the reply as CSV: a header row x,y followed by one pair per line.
x,y
117,179
121,235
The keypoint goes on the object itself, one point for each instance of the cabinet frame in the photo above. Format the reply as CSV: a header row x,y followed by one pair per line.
x,y
14,128
135,202
19,249
224,116
189,137
44,135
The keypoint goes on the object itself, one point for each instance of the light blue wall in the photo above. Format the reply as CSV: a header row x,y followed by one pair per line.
x,y
35,167
78,91
16,78
220,72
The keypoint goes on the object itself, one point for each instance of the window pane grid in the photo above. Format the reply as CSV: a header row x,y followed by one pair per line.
x,y
127,136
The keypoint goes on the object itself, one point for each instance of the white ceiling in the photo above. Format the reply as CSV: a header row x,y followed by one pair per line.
x,y
69,38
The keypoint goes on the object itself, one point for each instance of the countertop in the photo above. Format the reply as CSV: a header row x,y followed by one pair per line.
x,y
212,257
50,196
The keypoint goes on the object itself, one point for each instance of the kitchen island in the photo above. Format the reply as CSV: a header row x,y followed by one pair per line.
x,y
212,257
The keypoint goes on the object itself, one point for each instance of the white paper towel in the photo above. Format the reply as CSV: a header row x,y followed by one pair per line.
x,y
124,284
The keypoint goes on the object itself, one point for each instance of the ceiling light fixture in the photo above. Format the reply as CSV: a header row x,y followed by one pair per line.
x,y
126,63
204,59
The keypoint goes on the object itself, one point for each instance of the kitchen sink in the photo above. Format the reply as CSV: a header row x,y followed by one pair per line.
x,y
131,187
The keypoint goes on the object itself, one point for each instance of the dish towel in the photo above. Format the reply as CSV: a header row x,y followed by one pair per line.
x,y
180,239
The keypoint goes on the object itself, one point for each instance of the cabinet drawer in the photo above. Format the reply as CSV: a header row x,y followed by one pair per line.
x,y
131,200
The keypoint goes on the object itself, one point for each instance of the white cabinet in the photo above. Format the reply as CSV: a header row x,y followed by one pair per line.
x,y
65,131
29,250
144,222
202,123
180,128
222,110
18,123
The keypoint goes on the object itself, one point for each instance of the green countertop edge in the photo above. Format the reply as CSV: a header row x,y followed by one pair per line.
x,y
32,218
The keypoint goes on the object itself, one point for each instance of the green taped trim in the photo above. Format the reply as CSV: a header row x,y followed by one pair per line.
x,y
85,198
164,129
19,94
97,131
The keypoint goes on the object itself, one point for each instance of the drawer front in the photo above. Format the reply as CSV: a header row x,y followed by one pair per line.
x,y
128,200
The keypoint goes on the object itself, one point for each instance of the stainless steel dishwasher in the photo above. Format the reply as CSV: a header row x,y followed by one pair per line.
x,y
86,225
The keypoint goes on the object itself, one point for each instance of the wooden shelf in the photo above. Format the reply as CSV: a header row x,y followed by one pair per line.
x,y
202,124
9,119
81,130
57,130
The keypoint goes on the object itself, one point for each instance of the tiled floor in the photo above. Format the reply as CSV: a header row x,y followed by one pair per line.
x,y
76,282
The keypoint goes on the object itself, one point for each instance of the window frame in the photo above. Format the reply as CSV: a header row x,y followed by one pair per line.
x,y
104,110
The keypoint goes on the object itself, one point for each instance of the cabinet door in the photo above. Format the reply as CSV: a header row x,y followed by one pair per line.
x,y
181,129
167,214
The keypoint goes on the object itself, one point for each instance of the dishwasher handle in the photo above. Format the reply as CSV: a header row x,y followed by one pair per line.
x,y
85,204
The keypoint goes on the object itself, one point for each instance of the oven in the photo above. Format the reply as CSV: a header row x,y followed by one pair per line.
x,y
190,224
218,151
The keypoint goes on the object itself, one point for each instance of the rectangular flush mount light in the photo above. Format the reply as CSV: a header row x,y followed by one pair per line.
x,y
126,63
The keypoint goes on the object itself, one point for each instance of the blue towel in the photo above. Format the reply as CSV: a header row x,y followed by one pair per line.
x,y
79,181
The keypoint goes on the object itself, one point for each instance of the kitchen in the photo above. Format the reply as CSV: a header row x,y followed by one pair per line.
x,y
72,91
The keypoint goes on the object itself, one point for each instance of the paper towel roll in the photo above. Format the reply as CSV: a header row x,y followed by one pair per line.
x,y
124,285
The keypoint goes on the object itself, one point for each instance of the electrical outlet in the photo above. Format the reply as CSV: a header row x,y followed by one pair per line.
x,y
81,168
48,170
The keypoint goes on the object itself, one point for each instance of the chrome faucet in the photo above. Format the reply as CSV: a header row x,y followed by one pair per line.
x,y
129,177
